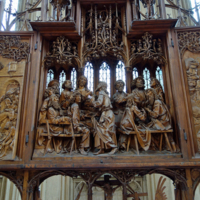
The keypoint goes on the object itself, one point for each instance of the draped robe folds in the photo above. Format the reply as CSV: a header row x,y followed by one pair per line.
x,y
128,124
55,129
65,99
119,103
105,132
85,141
160,116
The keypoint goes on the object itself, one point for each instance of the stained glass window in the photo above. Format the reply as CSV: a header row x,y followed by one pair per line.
x,y
159,76
73,78
135,73
89,73
120,73
9,10
62,78
50,76
146,76
104,75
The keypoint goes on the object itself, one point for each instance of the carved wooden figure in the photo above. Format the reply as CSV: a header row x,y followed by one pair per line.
x,y
105,133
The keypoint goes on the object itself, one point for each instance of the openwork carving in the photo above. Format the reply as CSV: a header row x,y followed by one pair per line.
x,y
62,52
16,178
147,48
11,47
8,118
103,35
189,41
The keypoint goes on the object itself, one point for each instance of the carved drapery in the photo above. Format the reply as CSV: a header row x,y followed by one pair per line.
x,y
11,47
62,52
147,48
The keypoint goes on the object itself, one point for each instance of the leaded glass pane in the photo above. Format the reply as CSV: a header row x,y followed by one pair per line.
x,y
146,76
50,76
104,75
120,73
89,73
62,78
73,78
159,76
135,73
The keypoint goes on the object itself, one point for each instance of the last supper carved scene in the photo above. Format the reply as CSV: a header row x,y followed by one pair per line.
x,y
105,94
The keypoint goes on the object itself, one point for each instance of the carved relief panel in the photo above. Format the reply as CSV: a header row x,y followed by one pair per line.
x,y
12,67
189,47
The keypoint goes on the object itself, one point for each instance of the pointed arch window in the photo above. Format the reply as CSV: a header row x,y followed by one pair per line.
x,y
159,76
62,78
135,73
146,76
73,78
120,73
89,73
104,75
50,76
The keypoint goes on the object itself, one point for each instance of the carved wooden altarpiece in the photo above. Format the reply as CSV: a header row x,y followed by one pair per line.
x,y
53,124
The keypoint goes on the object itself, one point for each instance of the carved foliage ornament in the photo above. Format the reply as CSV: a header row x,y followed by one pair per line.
x,y
11,47
62,52
189,41
147,48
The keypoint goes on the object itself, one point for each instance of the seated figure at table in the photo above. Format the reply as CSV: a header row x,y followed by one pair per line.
x,y
159,115
55,121
119,101
52,89
105,132
135,116
87,95
78,126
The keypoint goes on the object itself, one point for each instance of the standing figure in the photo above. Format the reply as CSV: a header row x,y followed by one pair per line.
x,y
155,84
105,133
119,101
85,92
79,127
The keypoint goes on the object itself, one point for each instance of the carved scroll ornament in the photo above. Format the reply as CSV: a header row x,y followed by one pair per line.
x,y
147,48
189,41
11,47
62,52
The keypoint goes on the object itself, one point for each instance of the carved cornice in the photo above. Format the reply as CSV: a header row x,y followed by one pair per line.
x,y
147,48
189,41
62,52
11,47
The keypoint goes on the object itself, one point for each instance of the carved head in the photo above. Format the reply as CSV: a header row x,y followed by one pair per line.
x,y
101,86
82,81
67,84
139,82
155,83
54,85
119,85
77,96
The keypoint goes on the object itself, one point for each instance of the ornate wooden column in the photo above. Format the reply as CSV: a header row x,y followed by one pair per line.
x,y
128,79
